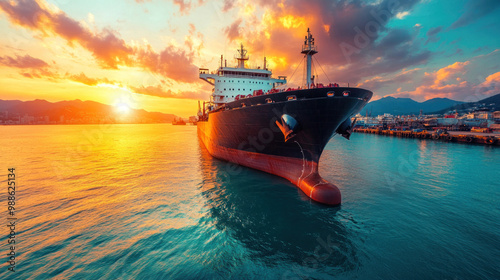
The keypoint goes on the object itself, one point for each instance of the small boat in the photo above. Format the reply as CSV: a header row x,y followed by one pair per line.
x,y
178,121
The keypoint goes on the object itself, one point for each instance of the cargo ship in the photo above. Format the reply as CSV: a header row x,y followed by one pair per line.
x,y
257,121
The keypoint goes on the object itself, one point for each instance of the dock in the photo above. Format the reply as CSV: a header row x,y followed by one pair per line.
x,y
466,137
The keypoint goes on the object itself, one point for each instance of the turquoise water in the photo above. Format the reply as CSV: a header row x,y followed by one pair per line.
x,y
148,202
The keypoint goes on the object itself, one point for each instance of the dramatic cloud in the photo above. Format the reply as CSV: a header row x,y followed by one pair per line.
x,y
475,9
233,31
449,82
353,37
36,68
106,46
162,92
443,75
194,41
26,61
184,6
490,86
431,34
30,67
228,5
83,79
171,62
158,90
378,82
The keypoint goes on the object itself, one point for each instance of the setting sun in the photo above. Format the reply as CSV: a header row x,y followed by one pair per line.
x,y
122,108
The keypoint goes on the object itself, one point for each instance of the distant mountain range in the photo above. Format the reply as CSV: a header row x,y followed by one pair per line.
x,y
491,103
94,112
407,106
77,110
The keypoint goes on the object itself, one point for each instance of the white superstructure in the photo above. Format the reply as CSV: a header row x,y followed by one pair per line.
x,y
232,82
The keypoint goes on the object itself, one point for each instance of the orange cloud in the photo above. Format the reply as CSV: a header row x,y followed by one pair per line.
x,y
184,6
83,79
171,62
373,45
444,83
443,74
378,81
194,41
36,68
492,79
106,46
31,67
228,5
490,86
26,61
233,31
162,92
290,21
157,90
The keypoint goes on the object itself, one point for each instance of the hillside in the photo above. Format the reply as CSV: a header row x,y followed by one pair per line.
x,y
491,103
406,106
77,110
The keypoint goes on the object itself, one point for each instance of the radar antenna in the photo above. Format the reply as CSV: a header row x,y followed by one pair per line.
x,y
309,49
242,57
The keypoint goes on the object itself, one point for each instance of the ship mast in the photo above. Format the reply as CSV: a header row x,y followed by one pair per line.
x,y
309,49
242,57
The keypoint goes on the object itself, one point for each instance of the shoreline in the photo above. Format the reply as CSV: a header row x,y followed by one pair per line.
x,y
467,137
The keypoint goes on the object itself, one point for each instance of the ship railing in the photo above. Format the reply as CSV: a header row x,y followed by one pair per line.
x,y
247,77
309,48
203,71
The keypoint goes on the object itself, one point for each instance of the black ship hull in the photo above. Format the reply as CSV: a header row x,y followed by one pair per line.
x,y
283,133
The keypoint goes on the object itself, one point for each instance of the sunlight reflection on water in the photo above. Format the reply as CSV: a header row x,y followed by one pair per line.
x,y
148,202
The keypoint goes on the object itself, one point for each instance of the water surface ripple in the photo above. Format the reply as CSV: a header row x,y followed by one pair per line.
x,y
148,202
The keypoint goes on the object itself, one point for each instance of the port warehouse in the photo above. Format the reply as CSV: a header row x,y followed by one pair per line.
x,y
482,127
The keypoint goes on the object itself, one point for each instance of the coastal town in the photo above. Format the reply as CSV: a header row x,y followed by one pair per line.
x,y
480,121
479,127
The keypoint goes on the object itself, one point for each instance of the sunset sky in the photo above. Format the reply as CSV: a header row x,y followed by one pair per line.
x,y
146,53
